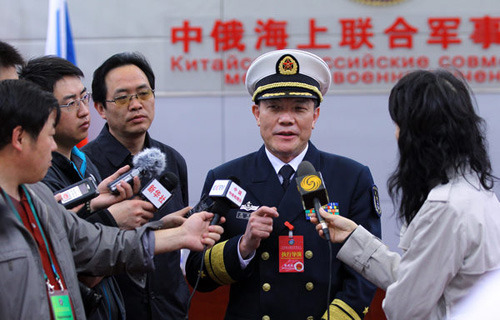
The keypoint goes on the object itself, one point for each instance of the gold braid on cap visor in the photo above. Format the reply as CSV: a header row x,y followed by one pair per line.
x,y
288,84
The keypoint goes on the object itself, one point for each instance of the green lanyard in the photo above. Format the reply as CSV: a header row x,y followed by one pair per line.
x,y
50,287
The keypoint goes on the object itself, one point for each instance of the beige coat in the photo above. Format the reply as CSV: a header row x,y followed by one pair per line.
x,y
452,241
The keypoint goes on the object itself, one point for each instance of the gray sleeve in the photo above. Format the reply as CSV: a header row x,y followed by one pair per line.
x,y
96,249
366,254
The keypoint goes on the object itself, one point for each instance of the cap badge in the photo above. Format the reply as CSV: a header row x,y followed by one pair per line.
x,y
287,65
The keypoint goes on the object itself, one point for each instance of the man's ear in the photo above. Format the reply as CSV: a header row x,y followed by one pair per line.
x,y
315,116
100,109
19,136
256,113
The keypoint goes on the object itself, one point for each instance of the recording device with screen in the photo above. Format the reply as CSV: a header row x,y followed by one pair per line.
x,y
79,192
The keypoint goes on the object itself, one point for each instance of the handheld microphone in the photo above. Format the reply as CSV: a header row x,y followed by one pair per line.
x,y
226,194
159,191
147,163
205,204
312,191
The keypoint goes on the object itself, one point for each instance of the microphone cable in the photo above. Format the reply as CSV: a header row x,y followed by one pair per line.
x,y
197,281
330,271
326,233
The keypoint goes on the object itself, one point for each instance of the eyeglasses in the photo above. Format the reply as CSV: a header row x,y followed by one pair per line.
x,y
76,104
124,101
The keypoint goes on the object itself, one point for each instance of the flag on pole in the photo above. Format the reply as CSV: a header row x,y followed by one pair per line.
x,y
59,37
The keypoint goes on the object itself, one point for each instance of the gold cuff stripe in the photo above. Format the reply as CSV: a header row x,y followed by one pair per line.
x,y
214,260
339,310
288,84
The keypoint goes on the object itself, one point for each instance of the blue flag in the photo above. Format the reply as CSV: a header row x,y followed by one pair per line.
x,y
59,38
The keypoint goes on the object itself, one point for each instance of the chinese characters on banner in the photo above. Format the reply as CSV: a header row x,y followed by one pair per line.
x,y
356,51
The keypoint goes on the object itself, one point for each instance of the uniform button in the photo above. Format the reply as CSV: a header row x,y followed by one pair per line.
x,y
309,286
266,287
266,318
310,318
265,255
309,254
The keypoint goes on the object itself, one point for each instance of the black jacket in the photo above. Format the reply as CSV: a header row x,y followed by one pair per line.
x,y
260,291
166,293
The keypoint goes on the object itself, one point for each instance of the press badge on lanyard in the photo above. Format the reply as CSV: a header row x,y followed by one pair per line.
x,y
291,251
61,305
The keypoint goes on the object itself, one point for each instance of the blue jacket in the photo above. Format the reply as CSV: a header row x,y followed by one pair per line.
x,y
261,290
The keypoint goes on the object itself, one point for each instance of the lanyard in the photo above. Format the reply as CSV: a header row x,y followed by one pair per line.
x,y
80,155
50,287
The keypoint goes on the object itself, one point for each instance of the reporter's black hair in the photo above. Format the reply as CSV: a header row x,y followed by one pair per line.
x,y
440,136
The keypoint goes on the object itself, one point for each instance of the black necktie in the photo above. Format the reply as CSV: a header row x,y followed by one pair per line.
x,y
286,172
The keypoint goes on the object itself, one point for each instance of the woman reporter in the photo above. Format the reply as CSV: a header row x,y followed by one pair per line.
x,y
443,185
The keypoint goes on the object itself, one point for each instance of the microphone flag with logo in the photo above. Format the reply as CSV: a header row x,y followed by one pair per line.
x,y
159,191
226,194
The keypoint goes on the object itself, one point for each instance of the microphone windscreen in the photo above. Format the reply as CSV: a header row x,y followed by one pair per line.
x,y
305,168
151,160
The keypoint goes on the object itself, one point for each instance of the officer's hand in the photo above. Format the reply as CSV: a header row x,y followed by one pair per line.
x,y
130,214
259,226
339,227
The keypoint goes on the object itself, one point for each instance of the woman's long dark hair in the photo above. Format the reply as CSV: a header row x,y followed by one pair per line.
x,y
440,135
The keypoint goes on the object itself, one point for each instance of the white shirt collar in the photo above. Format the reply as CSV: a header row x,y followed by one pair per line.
x,y
277,163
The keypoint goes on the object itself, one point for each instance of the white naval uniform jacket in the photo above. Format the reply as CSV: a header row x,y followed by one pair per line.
x,y
452,241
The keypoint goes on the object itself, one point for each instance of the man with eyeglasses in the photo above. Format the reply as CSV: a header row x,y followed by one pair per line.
x,y
123,94
70,165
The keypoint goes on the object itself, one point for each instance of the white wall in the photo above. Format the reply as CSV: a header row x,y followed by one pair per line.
x,y
209,130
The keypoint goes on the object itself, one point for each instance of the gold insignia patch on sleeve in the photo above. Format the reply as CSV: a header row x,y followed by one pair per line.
x,y
339,310
216,268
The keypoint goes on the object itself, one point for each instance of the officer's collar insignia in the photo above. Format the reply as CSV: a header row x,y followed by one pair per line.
x,y
249,207
287,65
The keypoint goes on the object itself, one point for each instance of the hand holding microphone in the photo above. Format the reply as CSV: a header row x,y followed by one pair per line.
x,y
148,163
339,227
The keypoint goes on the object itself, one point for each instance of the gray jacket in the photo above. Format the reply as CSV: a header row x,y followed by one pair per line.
x,y
79,247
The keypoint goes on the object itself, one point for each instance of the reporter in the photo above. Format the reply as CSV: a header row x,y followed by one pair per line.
x,y
443,182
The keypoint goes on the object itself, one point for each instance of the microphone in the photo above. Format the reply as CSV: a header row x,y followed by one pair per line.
x,y
147,163
312,191
226,194
205,204
159,191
